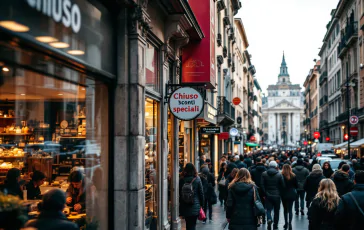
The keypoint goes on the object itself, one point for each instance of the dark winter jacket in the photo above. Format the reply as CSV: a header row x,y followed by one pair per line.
x,y
301,174
52,220
191,209
348,213
240,164
33,193
248,162
256,174
239,208
319,217
312,184
290,191
343,183
208,180
13,189
272,183
327,172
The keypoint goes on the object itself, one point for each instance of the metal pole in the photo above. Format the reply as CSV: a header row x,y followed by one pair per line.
x,y
348,109
232,145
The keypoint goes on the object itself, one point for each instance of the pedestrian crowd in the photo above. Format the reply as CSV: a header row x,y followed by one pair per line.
x,y
252,188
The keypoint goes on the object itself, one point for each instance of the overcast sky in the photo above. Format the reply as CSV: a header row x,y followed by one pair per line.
x,y
296,27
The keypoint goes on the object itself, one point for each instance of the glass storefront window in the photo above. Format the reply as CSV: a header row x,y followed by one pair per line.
x,y
151,164
56,125
152,70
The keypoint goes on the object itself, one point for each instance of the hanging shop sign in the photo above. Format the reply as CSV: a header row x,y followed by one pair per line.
x,y
236,100
186,103
223,136
233,132
210,130
198,58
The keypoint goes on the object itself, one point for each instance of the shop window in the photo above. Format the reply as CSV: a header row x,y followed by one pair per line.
x,y
59,126
152,68
151,164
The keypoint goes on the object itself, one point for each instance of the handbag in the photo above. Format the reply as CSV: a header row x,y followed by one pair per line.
x,y
356,203
201,215
259,209
222,181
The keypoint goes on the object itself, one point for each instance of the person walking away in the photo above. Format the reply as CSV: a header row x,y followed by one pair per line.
x,y
314,161
348,213
272,185
208,183
211,169
230,178
289,195
327,170
301,173
321,214
342,181
222,186
240,162
240,202
312,183
191,197
248,161
202,160
256,174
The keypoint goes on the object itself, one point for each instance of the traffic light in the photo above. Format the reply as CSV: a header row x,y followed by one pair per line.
x,y
238,120
346,137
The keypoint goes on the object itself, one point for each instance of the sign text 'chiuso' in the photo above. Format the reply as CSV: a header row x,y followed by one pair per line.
x,y
186,103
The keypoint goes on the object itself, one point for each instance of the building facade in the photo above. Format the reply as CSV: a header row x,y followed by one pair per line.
x,y
283,110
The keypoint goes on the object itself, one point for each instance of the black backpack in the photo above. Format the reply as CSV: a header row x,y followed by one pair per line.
x,y
187,193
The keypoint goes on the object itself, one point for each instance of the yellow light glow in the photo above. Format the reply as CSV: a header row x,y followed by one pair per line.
x,y
22,94
6,69
60,94
46,39
14,26
60,45
83,89
76,52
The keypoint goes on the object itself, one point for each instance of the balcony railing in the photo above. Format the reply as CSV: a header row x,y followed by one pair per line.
x,y
349,36
323,124
323,77
323,100
225,108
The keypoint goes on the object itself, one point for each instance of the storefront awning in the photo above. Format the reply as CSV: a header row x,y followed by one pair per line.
x,y
251,144
357,143
341,145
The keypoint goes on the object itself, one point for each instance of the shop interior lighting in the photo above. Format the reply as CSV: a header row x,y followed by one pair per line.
x,y
147,114
46,39
60,45
14,26
76,52
83,89
22,94
5,69
60,94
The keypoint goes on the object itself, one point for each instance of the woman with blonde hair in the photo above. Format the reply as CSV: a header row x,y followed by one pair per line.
x,y
240,202
321,213
289,194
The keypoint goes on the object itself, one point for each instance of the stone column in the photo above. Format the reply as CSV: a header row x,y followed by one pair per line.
x,y
276,131
129,136
289,131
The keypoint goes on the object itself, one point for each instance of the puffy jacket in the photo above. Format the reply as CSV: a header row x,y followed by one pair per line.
x,y
328,172
347,212
343,183
240,164
256,174
319,217
272,183
248,162
312,184
301,174
52,221
191,209
239,207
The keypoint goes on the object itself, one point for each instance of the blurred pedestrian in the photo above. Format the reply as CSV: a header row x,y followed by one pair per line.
x,y
289,195
301,174
327,170
221,180
240,161
256,174
208,183
342,180
312,183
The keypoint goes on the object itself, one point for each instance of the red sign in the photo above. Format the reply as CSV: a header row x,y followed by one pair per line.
x,y
223,136
316,135
198,58
346,137
305,142
236,101
327,138
354,131
252,138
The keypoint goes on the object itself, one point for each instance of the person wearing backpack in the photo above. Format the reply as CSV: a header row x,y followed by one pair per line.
x,y
208,184
350,211
191,196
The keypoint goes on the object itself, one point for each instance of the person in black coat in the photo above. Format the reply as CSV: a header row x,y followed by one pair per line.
x,y
321,214
190,212
33,190
51,216
240,162
221,186
229,179
240,203
208,183
348,214
272,185
327,170
248,161
256,174
342,181
12,185
301,173
289,195
312,183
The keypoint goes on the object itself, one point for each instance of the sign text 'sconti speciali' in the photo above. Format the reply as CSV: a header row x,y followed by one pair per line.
x,y
186,103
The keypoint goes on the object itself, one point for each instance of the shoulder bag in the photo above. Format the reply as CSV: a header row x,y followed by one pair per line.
x,y
356,203
222,181
258,206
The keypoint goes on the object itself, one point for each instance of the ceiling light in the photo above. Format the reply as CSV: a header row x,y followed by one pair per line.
x,y
22,94
83,89
146,114
14,26
6,69
60,45
76,52
60,94
46,39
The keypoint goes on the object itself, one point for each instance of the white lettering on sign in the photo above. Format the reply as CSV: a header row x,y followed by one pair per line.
x,y
186,103
60,10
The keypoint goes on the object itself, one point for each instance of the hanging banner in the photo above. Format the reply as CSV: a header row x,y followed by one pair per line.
x,y
186,103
